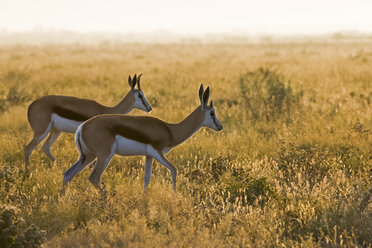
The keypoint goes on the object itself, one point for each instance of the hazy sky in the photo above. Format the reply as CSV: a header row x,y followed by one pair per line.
x,y
189,16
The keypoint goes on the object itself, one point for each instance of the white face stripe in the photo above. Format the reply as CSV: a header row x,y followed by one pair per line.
x,y
211,121
141,102
64,125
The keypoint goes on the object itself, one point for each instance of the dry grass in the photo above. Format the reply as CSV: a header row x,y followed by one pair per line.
x,y
302,179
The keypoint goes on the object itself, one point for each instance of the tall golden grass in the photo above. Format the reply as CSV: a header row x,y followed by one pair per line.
x,y
292,167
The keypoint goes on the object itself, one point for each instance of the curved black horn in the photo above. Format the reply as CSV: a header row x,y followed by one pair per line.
x,y
201,90
130,81
134,81
139,81
206,96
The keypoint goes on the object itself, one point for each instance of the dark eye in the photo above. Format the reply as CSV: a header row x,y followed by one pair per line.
x,y
139,95
212,114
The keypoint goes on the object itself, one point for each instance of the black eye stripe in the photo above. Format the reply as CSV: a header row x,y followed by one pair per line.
x,y
212,114
214,120
143,102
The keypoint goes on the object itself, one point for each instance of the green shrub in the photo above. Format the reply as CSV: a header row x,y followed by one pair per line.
x,y
15,76
13,232
12,97
247,190
267,96
11,91
351,156
8,176
312,162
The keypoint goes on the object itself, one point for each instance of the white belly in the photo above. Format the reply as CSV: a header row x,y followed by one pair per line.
x,y
128,147
64,125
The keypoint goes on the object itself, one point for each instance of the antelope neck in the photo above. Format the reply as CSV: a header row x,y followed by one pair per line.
x,y
186,128
123,107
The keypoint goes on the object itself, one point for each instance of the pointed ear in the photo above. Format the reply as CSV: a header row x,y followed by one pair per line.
x,y
130,81
211,104
206,96
138,81
134,81
201,90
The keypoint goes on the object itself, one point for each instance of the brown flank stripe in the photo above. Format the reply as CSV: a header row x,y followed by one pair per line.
x,y
130,133
136,135
69,114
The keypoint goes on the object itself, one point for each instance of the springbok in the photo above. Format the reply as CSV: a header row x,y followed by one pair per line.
x,y
103,136
55,114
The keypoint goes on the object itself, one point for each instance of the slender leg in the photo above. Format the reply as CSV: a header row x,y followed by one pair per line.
x,y
99,168
53,136
28,150
33,144
83,162
164,161
148,167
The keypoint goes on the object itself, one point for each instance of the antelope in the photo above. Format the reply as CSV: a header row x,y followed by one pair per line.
x,y
55,114
101,137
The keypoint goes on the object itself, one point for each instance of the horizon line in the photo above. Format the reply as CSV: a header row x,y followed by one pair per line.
x,y
233,32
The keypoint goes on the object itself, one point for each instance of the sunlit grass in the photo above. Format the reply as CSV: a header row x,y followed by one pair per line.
x,y
299,179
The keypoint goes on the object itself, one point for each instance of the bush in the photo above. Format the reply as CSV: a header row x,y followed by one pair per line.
x,y
12,97
15,76
312,162
11,93
315,162
8,176
267,96
248,190
353,157
317,194
13,232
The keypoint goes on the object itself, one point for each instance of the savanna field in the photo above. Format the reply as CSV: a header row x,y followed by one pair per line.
x,y
291,168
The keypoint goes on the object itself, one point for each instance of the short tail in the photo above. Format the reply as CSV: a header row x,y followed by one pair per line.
x,y
78,143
